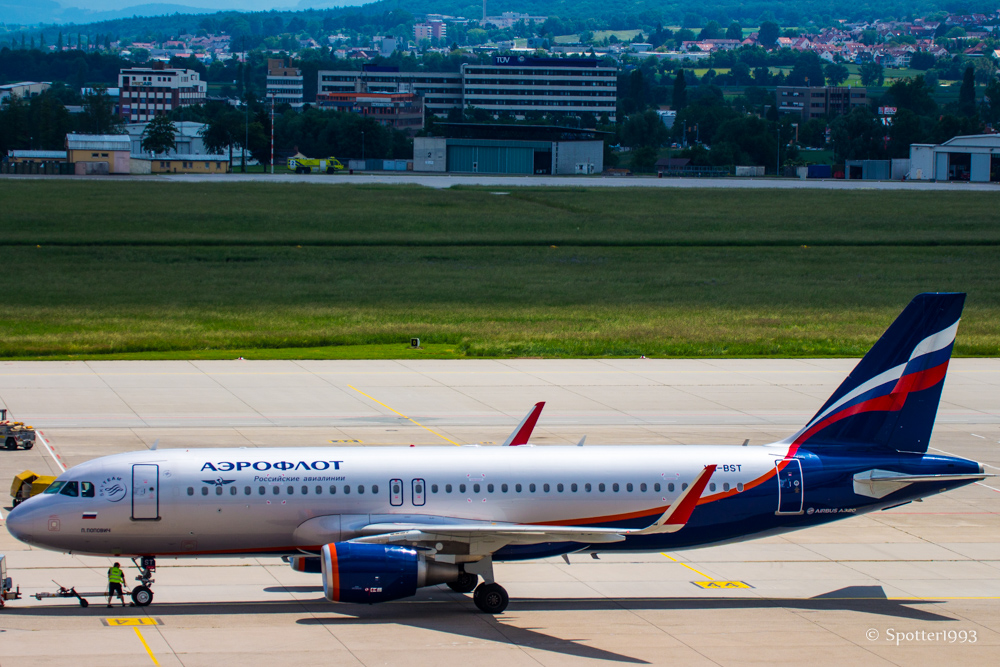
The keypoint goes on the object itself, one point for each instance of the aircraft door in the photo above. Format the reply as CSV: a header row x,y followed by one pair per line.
x,y
145,492
395,492
791,492
418,492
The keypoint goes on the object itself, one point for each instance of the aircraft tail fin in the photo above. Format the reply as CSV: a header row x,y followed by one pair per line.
x,y
890,399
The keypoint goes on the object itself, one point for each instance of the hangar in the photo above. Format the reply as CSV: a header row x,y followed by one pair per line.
x,y
509,149
974,158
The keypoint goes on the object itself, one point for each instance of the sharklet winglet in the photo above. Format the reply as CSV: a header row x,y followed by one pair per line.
x,y
679,513
523,431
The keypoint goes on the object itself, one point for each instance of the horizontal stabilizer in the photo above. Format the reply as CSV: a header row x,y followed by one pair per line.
x,y
880,483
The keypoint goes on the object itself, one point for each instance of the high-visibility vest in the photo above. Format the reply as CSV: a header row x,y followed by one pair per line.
x,y
116,576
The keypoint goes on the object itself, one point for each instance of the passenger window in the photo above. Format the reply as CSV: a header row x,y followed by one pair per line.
x,y
712,486
587,487
291,489
347,489
517,488
319,490
503,487
531,488
232,490
614,487
642,487
739,486
559,487
305,490
71,489
275,490
489,488
600,487
475,488
447,488
218,490
670,487
725,487
656,487
572,487
545,487
260,490
246,490
86,489
361,488
461,488
204,490
55,486
374,488
684,486
333,489
434,488
628,487
190,491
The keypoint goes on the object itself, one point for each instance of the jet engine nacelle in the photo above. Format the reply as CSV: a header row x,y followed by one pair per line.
x,y
370,573
307,564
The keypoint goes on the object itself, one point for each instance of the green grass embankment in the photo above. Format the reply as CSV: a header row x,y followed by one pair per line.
x,y
163,270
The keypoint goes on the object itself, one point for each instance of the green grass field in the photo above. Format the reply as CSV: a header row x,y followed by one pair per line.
x,y
166,270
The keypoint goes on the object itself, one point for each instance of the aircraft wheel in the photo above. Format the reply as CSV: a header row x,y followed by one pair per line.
x,y
491,598
142,596
466,583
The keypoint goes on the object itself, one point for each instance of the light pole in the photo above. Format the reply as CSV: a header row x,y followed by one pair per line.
x,y
246,109
271,95
777,158
363,147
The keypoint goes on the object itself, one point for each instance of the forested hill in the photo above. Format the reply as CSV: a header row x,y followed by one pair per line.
x,y
586,14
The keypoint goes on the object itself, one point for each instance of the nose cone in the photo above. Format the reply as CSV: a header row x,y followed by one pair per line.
x,y
19,523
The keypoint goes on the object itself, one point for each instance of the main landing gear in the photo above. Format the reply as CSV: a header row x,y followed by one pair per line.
x,y
142,595
491,598
466,583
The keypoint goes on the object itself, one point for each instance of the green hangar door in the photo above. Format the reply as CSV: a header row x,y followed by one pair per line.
x,y
491,159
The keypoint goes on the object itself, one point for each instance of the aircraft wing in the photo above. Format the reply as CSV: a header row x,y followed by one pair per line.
x,y
484,538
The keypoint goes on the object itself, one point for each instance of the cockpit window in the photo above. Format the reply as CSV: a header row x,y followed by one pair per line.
x,y
54,487
71,489
86,489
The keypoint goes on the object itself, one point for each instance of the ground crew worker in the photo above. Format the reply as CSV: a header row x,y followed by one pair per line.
x,y
115,580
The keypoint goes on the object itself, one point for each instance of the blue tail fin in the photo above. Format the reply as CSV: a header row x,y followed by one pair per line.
x,y
890,399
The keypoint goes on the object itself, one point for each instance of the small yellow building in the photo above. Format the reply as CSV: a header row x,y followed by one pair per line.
x,y
99,153
189,164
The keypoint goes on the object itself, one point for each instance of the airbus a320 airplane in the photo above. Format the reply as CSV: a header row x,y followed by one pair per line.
x,y
380,523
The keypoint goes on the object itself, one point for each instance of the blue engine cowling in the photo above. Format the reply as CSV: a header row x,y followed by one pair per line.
x,y
370,573
307,564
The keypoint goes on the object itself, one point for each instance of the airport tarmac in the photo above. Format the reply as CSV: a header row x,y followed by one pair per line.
x,y
925,575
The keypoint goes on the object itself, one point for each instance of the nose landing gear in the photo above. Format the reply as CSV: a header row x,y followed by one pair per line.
x,y
142,595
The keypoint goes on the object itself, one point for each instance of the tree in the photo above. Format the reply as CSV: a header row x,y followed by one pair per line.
x,y
767,34
905,130
99,115
808,71
644,159
837,74
922,60
159,135
679,100
967,93
711,30
872,74
734,31
223,131
644,129
912,94
991,103
858,136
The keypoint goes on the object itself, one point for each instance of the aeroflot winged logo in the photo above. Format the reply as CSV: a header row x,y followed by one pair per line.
x,y
261,466
113,488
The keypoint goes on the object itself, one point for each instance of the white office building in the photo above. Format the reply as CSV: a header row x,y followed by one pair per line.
x,y
511,84
284,83
147,92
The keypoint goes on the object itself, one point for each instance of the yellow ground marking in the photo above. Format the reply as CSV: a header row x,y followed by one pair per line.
x,y
721,584
144,620
403,416
146,646
687,566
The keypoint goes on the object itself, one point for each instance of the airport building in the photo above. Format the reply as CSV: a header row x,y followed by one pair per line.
x,y
284,83
99,153
974,158
25,90
403,111
517,85
468,148
151,91
819,101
